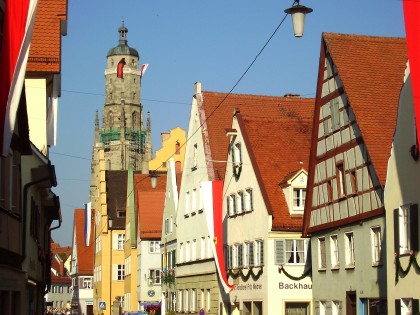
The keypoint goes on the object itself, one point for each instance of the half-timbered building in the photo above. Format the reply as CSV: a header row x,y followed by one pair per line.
x,y
358,87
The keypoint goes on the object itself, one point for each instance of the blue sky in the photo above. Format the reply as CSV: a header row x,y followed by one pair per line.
x,y
183,42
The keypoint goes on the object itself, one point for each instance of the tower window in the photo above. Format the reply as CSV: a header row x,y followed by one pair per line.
x,y
132,63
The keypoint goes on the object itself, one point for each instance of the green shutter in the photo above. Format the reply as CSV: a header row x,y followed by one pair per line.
x,y
397,231
398,307
279,251
415,306
414,228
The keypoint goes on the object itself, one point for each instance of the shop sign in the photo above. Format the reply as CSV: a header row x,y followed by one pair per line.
x,y
294,286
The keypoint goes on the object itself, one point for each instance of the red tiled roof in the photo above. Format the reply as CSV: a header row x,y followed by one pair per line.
x,y
84,253
278,146
45,50
372,72
219,111
149,205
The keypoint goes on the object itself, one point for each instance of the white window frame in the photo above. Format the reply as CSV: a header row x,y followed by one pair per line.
x,y
376,241
249,254
334,250
154,247
187,203
187,251
249,201
259,253
203,248
119,241
294,252
299,196
231,200
194,250
404,229
119,272
349,247
240,202
322,256
154,276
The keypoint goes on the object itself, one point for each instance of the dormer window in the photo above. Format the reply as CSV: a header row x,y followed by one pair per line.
x,y
299,195
236,159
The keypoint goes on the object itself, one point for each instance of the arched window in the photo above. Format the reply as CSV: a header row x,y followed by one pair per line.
x,y
134,119
177,147
108,165
112,62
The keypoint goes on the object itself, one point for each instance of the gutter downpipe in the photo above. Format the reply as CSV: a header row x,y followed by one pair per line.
x,y
25,199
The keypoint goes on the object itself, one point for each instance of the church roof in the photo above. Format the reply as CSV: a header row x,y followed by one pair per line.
x,y
123,48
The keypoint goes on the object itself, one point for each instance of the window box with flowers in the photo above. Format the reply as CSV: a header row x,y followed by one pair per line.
x,y
168,276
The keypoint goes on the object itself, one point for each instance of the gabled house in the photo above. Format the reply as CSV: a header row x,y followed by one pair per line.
x,y
197,279
149,203
81,266
111,235
172,147
359,81
265,185
402,196
168,239
60,294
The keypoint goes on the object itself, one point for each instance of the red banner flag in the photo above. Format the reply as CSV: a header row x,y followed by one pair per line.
x,y
120,68
412,31
213,208
19,20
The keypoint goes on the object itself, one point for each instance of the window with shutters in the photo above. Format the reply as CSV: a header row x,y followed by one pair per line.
x,y
259,253
187,300
349,248
154,247
181,253
341,182
119,241
406,229
187,251
154,276
249,254
291,252
406,306
240,254
118,272
336,308
231,204
10,182
249,202
322,305
194,250
376,245
240,202
235,256
322,257
335,259
179,300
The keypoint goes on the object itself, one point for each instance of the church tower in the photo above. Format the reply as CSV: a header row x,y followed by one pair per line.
x,y
123,137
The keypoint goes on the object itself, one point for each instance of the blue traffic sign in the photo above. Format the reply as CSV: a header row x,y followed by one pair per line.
x,y
102,305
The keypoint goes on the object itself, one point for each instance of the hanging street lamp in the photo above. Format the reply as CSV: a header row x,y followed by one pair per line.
x,y
298,13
